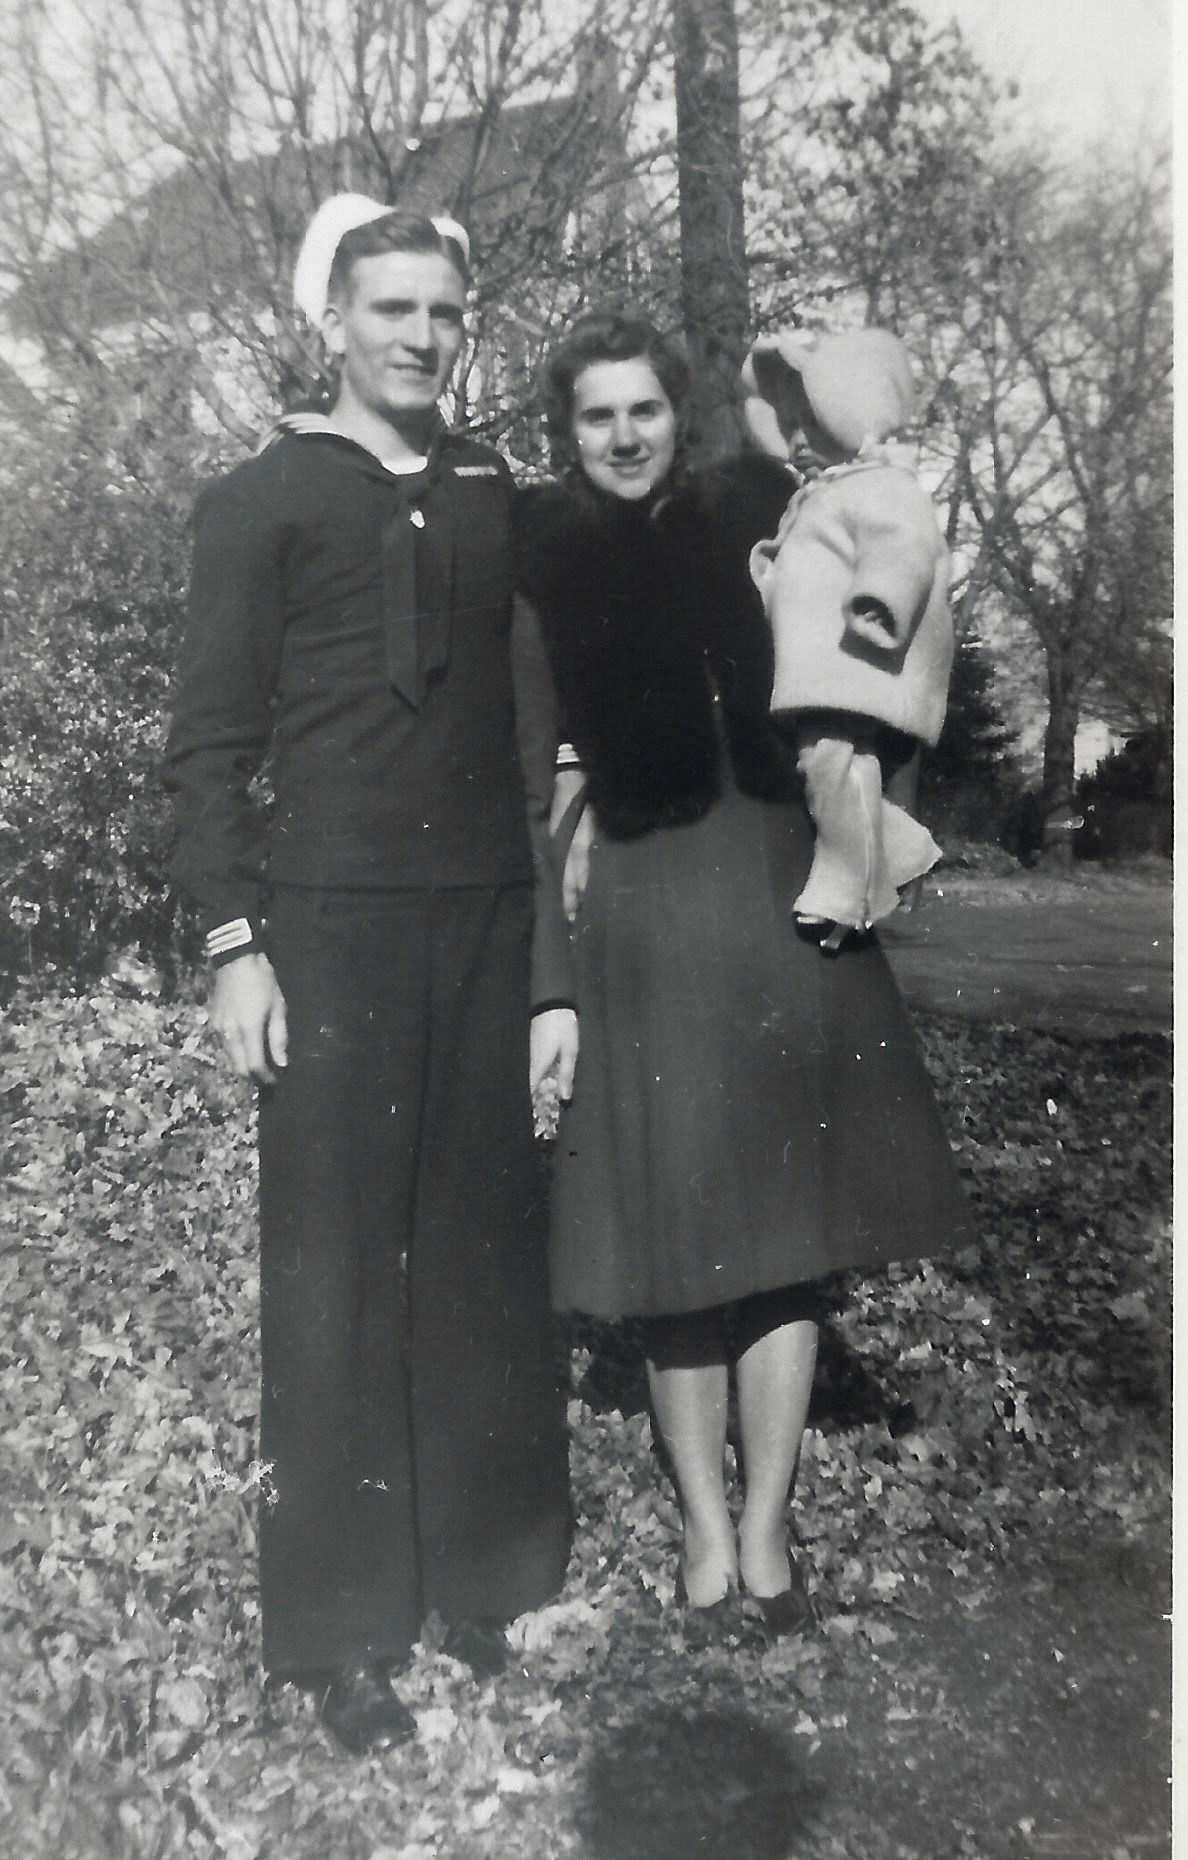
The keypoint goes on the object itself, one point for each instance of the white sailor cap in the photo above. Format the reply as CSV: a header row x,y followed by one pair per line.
x,y
329,226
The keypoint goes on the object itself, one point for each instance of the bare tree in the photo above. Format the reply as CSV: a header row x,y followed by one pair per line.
x,y
160,161
714,294
1036,304
856,134
1064,403
865,137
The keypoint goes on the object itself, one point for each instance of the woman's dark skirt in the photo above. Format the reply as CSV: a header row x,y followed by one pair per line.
x,y
750,1113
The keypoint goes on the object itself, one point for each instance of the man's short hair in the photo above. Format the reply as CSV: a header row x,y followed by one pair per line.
x,y
398,231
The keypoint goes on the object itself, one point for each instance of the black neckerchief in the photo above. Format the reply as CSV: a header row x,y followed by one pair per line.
x,y
418,579
418,582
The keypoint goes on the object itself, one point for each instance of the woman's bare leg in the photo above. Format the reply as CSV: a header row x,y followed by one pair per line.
x,y
775,1379
690,1407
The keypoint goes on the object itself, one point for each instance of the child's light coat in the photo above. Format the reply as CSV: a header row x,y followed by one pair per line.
x,y
863,531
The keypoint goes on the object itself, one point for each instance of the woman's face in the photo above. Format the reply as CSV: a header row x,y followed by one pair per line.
x,y
624,427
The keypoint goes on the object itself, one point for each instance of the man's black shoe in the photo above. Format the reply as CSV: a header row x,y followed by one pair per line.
x,y
480,1645
363,1712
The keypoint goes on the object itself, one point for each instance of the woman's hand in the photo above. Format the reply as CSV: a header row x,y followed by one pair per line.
x,y
553,1050
247,1010
577,864
568,783
568,787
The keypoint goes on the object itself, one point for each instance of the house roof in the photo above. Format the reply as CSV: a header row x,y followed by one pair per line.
x,y
239,227
17,399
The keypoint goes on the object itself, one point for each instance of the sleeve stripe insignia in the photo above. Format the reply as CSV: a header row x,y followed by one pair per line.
x,y
228,936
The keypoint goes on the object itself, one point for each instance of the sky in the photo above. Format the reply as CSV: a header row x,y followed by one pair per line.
x,y
1084,67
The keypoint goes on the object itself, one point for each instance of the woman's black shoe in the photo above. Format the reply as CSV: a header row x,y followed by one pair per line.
x,y
708,1622
363,1712
480,1645
713,1610
789,1612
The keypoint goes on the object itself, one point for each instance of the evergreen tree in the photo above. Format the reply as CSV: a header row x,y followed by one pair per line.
x,y
976,740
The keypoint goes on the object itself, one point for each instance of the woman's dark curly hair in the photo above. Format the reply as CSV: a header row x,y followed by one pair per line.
x,y
610,336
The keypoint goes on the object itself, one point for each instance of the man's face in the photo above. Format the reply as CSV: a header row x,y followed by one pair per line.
x,y
398,329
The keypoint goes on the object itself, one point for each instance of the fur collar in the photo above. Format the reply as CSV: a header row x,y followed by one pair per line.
x,y
647,611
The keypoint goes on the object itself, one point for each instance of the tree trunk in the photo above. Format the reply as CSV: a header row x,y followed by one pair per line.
x,y
714,297
1060,756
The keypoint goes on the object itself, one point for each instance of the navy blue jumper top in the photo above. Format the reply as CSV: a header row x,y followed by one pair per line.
x,y
360,624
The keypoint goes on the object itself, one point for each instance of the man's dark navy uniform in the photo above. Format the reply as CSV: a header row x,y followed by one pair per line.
x,y
352,621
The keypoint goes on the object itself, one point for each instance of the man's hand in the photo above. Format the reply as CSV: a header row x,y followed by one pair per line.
x,y
247,1009
553,1048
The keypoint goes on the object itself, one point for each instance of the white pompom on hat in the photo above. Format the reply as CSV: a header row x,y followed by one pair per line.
x,y
336,217
858,382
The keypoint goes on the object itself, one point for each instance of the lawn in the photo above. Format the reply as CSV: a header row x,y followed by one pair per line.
x,y
1086,952
982,1505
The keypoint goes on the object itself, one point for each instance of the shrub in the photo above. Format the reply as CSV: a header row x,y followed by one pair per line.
x,y
90,607
1126,800
970,811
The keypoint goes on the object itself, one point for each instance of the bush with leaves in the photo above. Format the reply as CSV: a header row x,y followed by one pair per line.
x,y
1126,802
95,564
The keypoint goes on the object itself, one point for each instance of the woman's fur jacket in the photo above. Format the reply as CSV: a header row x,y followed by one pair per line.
x,y
648,611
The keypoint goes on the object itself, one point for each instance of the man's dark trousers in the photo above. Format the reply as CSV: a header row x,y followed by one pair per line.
x,y
410,1418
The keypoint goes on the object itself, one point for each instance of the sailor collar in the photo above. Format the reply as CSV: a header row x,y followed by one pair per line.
x,y
430,464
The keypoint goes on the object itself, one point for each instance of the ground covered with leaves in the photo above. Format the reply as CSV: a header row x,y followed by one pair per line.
x,y
981,1505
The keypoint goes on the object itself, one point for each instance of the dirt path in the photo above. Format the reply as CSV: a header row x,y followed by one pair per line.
x,y
1025,1719
1085,962
1031,1718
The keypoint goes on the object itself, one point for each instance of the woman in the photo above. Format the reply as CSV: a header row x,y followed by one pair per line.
x,y
747,1117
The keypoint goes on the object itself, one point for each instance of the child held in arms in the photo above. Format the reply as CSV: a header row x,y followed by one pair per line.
x,y
856,586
